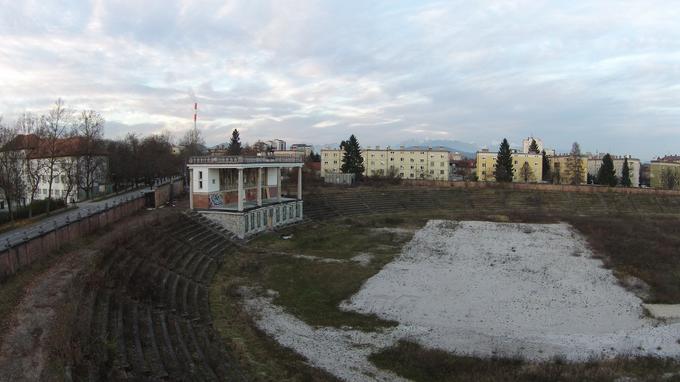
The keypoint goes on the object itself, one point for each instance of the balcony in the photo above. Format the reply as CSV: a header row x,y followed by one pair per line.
x,y
238,159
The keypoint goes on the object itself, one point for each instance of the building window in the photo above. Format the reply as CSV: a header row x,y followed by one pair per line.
x,y
200,184
200,175
441,172
213,181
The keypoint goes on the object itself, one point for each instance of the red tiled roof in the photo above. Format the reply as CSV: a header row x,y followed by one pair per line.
x,y
66,147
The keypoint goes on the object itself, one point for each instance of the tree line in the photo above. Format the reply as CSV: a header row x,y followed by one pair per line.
x,y
68,146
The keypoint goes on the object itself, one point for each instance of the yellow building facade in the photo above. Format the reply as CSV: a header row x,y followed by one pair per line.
x,y
415,163
486,167
657,170
561,171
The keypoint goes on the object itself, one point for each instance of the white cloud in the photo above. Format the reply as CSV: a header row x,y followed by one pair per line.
x,y
388,71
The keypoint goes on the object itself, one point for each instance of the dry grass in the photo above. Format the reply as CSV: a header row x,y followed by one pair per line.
x,y
412,361
646,248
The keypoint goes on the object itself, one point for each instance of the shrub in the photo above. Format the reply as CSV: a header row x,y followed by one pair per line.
x,y
39,207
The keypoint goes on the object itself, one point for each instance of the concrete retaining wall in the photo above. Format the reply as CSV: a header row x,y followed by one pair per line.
x,y
164,193
14,258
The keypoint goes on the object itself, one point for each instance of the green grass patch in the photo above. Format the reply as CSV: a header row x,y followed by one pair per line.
x,y
340,238
312,291
412,361
261,357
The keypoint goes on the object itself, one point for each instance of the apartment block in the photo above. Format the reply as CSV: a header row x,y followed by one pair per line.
x,y
486,166
408,163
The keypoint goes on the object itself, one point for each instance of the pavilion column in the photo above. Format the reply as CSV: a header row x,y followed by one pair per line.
x,y
278,184
191,188
241,192
299,190
259,187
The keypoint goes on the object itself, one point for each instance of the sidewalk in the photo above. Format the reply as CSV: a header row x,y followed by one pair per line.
x,y
86,208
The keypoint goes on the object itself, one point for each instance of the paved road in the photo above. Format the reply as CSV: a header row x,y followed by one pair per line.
x,y
84,209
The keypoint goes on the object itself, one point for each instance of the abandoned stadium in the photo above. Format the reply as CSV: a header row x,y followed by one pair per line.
x,y
382,283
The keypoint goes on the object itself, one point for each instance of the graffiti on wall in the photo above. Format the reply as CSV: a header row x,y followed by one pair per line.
x,y
216,200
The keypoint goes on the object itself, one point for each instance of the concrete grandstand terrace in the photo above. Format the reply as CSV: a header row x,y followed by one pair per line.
x,y
328,202
147,315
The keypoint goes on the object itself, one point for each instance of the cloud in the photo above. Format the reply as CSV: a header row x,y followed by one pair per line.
x,y
602,73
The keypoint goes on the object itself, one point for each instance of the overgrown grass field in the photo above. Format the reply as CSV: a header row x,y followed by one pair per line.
x,y
314,271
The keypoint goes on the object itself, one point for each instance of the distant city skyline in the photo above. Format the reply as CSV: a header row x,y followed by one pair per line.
x,y
605,74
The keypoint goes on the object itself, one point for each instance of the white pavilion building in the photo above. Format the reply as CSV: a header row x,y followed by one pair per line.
x,y
244,193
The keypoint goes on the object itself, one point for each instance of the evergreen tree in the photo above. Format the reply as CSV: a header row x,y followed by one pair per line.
x,y
606,175
504,170
575,172
352,161
234,144
533,147
625,174
546,168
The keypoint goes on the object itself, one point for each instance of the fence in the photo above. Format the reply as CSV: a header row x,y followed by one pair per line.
x,y
338,178
18,253
541,187
16,256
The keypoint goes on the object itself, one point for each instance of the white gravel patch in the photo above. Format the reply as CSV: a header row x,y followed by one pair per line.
x,y
482,289
530,290
363,259
341,352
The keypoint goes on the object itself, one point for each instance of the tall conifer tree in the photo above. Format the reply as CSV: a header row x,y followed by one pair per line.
x,y
533,147
504,170
606,175
234,144
625,174
352,161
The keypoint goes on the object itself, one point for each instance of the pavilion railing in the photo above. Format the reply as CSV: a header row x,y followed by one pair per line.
x,y
245,159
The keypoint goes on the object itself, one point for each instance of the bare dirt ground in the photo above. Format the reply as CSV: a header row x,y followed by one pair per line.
x,y
26,347
24,352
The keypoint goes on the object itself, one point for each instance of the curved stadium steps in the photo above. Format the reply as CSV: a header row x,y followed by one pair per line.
x,y
329,203
150,319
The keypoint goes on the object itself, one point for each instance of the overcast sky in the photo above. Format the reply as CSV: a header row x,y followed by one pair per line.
x,y
604,73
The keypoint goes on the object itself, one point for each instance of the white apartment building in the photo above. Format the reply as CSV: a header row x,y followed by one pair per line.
x,y
65,181
595,162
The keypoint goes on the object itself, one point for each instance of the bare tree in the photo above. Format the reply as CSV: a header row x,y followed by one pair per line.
x,y
574,170
11,168
69,169
90,130
192,144
54,127
28,124
669,179
526,173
